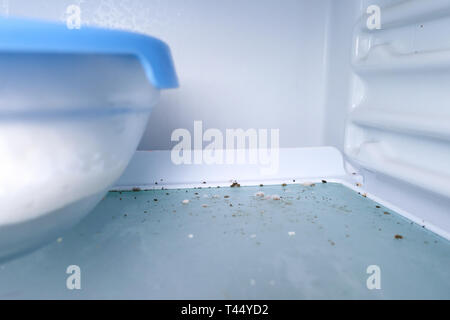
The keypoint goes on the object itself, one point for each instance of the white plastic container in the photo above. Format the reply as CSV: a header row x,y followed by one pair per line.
x,y
69,123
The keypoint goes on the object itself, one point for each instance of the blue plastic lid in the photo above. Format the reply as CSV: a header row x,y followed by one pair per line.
x,y
18,35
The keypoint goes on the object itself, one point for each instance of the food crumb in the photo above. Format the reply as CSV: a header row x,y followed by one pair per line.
x,y
136,189
324,181
397,236
276,197
204,205
307,184
226,197
259,194
284,185
185,201
387,213
235,185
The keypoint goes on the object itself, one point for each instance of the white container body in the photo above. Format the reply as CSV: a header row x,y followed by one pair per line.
x,y
69,125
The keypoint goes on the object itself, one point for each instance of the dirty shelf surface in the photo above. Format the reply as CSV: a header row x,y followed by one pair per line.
x,y
316,242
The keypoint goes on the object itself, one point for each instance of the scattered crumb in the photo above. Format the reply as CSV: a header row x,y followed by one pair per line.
x,y
378,207
364,195
261,185
226,197
324,181
397,236
307,184
136,189
359,185
276,197
185,201
155,199
235,185
284,185
259,194
291,233
387,213
204,205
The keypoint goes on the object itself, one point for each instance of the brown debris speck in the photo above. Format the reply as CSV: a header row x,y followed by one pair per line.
x,y
136,189
235,185
397,236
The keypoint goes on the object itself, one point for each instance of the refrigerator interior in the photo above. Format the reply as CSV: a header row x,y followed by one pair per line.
x,y
361,177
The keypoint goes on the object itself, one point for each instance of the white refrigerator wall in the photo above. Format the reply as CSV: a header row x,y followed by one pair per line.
x,y
261,64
